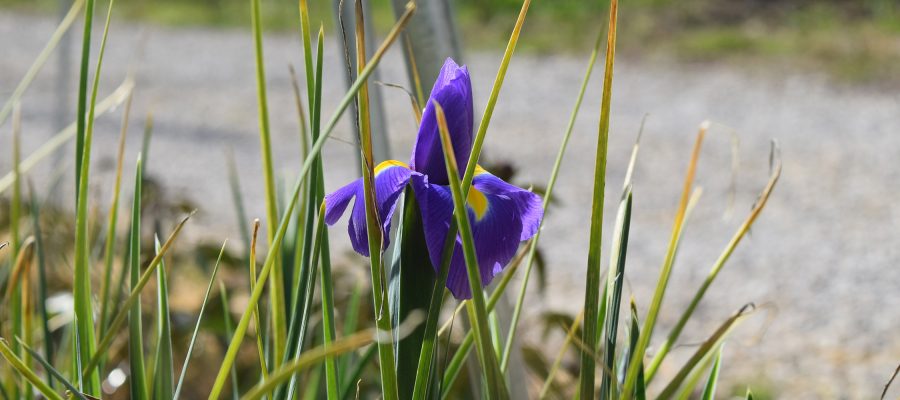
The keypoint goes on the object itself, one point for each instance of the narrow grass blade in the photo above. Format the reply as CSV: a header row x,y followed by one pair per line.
x,y
15,290
260,348
138,383
590,333
308,202
42,279
315,245
307,210
548,196
307,164
146,139
41,59
82,286
706,349
133,297
666,270
302,241
690,383
386,357
714,272
633,336
307,58
53,373
113,221
229,332
276,284
27,372
77,362
82,92
18,277
477,310
27,301
709,392
608,320
301,115
492,99
190,350
613,300
328,324
165,366
319,256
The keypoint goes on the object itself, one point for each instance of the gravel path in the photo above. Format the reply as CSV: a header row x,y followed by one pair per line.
x,y
822,258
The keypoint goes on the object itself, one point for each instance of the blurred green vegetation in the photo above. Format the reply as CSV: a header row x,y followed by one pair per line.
x,y
852,40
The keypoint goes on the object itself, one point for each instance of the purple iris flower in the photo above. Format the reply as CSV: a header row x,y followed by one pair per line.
x,y
502,215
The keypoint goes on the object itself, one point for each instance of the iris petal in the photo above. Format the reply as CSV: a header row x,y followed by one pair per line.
x,y
453,91
512,215
390,180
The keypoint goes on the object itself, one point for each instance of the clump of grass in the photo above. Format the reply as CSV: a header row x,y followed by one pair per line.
x,y
305,343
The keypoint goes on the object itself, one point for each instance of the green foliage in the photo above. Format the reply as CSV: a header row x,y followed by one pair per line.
x,y
314,329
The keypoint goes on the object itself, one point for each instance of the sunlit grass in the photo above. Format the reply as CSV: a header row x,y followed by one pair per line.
x,y
315,334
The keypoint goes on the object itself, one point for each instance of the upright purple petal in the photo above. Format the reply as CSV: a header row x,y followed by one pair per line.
x,y
390,180
502,215
453,91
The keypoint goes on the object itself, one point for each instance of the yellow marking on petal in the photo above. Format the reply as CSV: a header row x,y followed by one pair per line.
x,y
479,170
478,202
389,163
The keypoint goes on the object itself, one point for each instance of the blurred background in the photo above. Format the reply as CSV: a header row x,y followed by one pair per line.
x,y
820,77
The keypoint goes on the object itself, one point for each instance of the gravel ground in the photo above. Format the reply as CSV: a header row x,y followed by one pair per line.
x,y
821,259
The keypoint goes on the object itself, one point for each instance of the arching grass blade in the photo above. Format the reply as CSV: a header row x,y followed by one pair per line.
x,y
706,349
709,392
716,268
112,221
138,383
27,372
165,368
52,372
229,333
190,350
133,297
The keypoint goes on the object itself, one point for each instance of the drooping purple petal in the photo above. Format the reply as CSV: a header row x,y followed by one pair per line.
x,y
502,215
453,91
336,202
529,209
390,180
